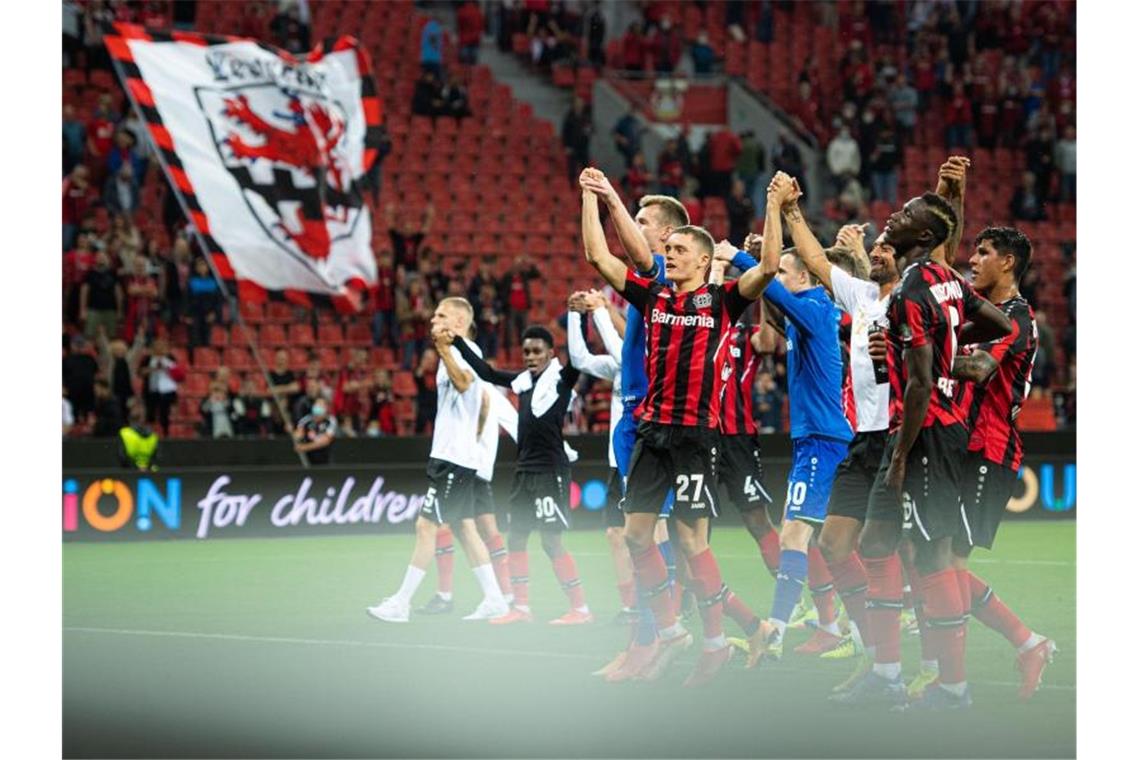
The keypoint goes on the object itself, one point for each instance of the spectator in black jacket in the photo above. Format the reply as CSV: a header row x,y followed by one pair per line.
x,y
576,130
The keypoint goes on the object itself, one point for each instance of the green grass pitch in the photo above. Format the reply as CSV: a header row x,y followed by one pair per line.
x,y
261,648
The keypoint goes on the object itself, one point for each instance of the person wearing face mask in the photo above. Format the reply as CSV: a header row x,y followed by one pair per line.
x,y
315,432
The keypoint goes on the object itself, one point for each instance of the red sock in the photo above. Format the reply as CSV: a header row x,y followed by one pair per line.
x,y
445,558
929,650
851,582
566,570
740,612
963,577
520,577
946,623
628,593
884,603
649,567
706,575
500,562
822,586
769,545
992,612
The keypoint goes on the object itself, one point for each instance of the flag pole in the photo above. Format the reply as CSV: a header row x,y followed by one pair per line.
x,y
205,250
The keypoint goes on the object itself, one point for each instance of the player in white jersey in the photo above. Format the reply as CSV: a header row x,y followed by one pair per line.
x,y
455,457
606,367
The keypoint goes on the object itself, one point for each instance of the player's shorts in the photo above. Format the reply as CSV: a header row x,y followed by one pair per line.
x,y
673,457
625,436
930,507
741,473
986,490
541,500
615,518
856,475
450,494
814,462
484,497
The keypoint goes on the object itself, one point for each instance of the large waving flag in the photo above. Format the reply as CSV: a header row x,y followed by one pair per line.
x,y
269,153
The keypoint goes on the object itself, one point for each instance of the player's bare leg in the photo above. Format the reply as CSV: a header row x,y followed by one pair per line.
x,y
566,570
1034,651
395,608
488,527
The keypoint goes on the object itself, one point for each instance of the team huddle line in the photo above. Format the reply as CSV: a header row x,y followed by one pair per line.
x,y
904,381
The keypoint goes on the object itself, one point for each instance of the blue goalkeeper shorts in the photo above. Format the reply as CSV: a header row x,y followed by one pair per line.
x,y
814,463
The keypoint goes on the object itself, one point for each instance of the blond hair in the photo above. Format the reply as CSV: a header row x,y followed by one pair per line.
x,y
845,259
672,211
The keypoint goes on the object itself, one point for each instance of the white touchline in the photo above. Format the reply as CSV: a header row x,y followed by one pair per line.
x,y
392,645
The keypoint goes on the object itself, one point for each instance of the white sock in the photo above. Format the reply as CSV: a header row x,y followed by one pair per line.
x,y
858,638
715,643
444,595
957,689
584,609
508,598
412,580
1033,640
485,574
672,631
888,670
930,666
522,607
832,628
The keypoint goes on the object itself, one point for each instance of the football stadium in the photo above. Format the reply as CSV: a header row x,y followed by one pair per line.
x,y
569,378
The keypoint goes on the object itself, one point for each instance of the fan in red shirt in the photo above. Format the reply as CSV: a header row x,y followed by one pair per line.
x,y
469,19
76,199
677,436
995,379
724,149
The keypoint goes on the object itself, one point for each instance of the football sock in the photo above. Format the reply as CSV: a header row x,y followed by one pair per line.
x,y
942,602
653,578
520,578
884,604
445,560
822,587
646,629
628,595
413,577
740,612
566,570
485,574
993,613
769,545
501,562
670,559
710,590
929,651
789,586
851,582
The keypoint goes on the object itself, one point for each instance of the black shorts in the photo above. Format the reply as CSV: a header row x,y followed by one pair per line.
x,y
450,494
540,500
929,508
484,497
615,518
677,457
740,472
986,490
856,475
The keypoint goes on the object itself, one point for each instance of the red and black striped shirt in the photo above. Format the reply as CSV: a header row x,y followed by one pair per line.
x,y
685,334
992,407
848,390
737,374
928,308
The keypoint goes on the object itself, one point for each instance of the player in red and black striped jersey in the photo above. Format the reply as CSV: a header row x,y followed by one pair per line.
x,y
995,379
917,485
687,328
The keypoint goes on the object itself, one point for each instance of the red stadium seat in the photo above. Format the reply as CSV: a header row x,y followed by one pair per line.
x,y
403,384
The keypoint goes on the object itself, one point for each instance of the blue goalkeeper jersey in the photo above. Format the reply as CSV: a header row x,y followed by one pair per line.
x,y
634,378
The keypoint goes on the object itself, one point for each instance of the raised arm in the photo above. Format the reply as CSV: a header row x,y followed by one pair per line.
x,y
485,371
753,282
806,244
628,232
594,242
952,187
596,365
611,327
851,236
460,378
